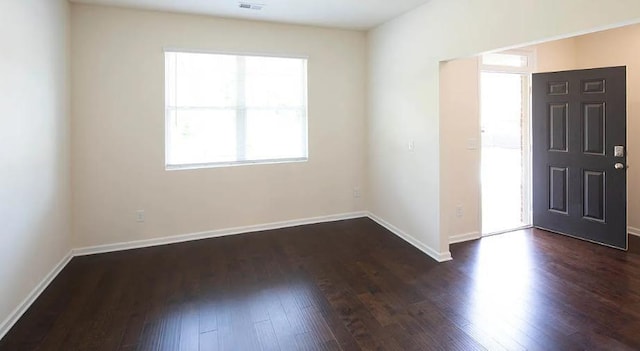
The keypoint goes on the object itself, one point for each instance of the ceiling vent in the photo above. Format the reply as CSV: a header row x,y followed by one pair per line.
x,y
250,6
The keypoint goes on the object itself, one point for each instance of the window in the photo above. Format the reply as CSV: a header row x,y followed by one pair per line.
x,y
505,126
225,109
512,61
509,60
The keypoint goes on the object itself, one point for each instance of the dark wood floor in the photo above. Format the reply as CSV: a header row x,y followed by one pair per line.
x,y
634,244
341,286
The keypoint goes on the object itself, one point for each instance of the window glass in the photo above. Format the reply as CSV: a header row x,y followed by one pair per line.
x,y
509,60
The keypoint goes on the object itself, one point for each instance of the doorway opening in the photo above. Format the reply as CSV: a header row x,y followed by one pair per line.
x,y
505,80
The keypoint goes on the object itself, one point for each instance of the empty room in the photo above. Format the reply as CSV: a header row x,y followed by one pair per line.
x,y
319,175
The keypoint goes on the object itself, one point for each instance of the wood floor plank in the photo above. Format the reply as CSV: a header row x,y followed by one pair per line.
x,y
72,282
209,341
347,285
189,328
267,336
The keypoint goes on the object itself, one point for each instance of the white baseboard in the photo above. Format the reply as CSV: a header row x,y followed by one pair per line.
x,y
14,316
8,323
438,256
91,250
633,231
454,239
212,234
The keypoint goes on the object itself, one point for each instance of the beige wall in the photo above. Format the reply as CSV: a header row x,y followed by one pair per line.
x,y
34,133
404,56
460,148
556,55
118,128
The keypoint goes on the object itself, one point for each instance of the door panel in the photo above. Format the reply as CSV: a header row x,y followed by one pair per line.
x,y
558,131
594,187
594,128
558,189
578,117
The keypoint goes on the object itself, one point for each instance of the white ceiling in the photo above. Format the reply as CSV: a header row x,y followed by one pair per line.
x,y
354,14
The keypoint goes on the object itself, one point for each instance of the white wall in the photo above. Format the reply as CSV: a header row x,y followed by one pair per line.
x,y
34,133
404,56
118,128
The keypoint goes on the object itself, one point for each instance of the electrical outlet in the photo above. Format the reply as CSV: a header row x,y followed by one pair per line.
x,y
459,211
356,193
140,216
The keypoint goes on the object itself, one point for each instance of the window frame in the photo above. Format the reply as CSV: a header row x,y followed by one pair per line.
x,y
244,162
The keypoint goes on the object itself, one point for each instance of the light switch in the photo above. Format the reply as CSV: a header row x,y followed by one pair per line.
x,y
472,144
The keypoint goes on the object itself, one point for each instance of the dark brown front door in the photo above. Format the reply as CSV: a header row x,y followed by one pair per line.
x,y
579,154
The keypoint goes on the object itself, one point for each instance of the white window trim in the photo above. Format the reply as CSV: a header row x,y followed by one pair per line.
x,y
233,53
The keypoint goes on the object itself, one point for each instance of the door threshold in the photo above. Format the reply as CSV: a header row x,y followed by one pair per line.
x,y
587,240
528,226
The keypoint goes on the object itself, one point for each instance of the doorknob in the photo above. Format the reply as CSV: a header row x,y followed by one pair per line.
x,y
619,165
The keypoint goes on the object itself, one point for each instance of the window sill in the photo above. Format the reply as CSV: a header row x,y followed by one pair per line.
x,y
193,166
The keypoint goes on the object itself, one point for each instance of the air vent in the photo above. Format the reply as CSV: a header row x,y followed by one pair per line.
x,y
250,6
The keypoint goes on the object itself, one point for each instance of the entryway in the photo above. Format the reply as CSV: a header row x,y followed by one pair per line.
x,y
484,175
574,181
